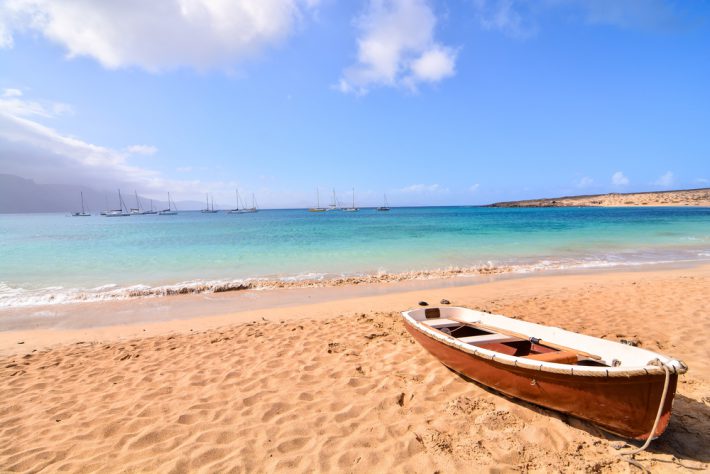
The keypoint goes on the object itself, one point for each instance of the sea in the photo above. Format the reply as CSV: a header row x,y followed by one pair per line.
x,y
55,258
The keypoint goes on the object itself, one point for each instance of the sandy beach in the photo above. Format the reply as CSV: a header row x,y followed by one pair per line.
x,y
338,385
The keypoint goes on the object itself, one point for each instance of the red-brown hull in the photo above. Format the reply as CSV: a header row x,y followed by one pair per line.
x,y
626,406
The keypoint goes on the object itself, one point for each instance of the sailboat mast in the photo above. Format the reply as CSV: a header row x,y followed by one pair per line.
x,y
82,202
353,198
317,198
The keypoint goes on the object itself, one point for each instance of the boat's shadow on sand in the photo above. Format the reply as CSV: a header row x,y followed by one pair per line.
x,y
688,434
686,438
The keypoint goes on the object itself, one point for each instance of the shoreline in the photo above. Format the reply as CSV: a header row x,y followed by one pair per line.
x,y
39,328
334,382
73,296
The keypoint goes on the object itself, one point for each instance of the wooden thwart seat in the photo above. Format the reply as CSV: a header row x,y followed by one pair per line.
x,y
557,357
441,323
493,338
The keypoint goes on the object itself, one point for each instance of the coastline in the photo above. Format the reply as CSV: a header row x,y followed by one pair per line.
x,y
110,293
699,197
337,383
102,320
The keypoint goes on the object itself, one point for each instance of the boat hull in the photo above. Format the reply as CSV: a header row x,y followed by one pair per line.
x,y
626,406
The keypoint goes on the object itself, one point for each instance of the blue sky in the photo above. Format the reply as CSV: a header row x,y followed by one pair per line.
x,y
432,102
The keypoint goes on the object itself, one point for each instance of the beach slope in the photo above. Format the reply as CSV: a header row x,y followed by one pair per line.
x,y
341,386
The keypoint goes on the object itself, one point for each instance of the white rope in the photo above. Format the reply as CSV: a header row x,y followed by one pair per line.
x,y
628,455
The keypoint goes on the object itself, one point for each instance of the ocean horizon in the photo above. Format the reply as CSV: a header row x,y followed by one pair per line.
x,y
53,258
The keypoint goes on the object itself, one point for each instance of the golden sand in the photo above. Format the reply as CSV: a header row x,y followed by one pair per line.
x,y
340,386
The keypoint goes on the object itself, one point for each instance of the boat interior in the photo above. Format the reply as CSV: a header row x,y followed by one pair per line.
x,y
512,345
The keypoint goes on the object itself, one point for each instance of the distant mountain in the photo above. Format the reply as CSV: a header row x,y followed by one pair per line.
x,y
681,197
18,195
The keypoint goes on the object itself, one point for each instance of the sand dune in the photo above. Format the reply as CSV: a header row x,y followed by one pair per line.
x,y
346,392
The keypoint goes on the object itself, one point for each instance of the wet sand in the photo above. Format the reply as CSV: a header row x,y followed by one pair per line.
x,y
338,385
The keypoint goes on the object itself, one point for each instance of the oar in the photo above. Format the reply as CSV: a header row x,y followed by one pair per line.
x,y
534,340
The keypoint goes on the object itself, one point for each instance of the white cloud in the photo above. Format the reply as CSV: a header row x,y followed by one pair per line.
x,y
702,180
157,34
396,47
618,179
474,187
184,169
665,180
142,149
423,188
33,150
434,65
585,182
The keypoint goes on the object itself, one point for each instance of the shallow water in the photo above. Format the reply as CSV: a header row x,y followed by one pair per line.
x,y
52,258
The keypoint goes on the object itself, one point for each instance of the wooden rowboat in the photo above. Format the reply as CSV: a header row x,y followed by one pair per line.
x,y
623,389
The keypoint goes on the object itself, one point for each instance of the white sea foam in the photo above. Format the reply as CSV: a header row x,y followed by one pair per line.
x,y
14,297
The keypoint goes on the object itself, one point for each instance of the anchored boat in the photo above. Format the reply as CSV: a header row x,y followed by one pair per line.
x,y
83,212
623,389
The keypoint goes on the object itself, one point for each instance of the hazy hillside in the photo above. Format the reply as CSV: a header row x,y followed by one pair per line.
x,y
24,195
683,197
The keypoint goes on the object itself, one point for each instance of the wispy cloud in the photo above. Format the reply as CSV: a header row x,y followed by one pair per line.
x,y
585,182
33,150
142,149
12,102
619,179
507,16
474,187
423,188
666,180
194,33
521,18
12,93
397,48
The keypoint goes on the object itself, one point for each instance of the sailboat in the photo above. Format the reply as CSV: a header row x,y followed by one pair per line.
x,y
353,208
253,205
317,208
106,209
83,213
208,209
169,211
386,206
244,209
118,212
334,205
138,210
151,210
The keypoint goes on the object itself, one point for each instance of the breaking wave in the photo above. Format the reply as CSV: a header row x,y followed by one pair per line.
x,y
14,297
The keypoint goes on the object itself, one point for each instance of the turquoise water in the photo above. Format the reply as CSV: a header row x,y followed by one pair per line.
x,y
54,258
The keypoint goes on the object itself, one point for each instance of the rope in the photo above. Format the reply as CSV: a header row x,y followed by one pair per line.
x,y
628,455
